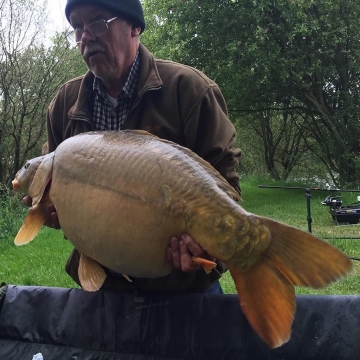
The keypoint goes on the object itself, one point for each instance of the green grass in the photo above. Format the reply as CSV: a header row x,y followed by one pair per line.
x,y
39,263
42,262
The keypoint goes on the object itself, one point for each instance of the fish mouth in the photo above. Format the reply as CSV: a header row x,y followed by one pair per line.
x,y
15,184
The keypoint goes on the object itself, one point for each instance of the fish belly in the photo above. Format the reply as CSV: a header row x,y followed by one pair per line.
x,y
125,235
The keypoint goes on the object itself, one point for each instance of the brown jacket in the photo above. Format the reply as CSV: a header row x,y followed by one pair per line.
x,y
175,102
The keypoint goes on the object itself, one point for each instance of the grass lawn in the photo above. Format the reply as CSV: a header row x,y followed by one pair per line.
x,y
42,261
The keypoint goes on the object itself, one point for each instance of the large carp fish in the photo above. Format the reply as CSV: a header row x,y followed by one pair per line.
x,y
120,197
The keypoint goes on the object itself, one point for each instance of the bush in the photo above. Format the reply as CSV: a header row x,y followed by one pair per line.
x,y
12,213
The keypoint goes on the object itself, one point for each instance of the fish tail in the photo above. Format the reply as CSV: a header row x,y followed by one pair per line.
x,y
293,258
268,301
32,224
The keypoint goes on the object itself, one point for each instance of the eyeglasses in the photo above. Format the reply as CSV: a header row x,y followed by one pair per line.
x,y
95,29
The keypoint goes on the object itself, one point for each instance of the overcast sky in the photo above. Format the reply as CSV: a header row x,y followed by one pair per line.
x,y
57,16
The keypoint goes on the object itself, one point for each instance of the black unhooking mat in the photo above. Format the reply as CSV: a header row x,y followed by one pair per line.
x,y
71,324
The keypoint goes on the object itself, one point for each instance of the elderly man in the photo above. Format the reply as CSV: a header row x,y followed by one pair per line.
x,y
127,88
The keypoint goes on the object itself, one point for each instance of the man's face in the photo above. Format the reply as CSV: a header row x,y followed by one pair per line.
x,y
110,55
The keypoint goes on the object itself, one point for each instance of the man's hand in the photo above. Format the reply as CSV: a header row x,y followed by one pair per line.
x,y
51,219
180,252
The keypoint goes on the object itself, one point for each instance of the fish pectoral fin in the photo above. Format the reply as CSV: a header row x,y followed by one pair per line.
x,y
91,274
33,223
127,278
207,265
267,300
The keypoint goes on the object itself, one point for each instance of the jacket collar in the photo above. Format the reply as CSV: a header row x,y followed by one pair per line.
x,y
149,75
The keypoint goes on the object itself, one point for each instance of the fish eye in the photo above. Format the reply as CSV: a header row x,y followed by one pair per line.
x,y
27,165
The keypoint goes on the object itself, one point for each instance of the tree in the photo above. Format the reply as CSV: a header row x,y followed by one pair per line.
x,y
30,75
283,144
267,55
317,46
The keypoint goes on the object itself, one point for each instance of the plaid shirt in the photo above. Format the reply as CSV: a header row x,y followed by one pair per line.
x,y
109,116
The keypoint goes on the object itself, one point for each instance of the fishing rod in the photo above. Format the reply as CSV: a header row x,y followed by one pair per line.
x,y
307,188
307,195
308,202
354,258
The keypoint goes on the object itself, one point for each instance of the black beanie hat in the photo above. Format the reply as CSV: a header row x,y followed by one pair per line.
x,y
128,9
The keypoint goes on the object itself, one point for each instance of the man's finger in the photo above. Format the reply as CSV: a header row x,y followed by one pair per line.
x,y
186,259
175,249
51,218
54,216
27,200
55,220
193,247
169,255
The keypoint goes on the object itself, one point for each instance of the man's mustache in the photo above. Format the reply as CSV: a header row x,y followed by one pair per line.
x,y
92,49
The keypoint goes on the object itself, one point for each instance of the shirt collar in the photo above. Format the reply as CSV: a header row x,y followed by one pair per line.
x,y
130,84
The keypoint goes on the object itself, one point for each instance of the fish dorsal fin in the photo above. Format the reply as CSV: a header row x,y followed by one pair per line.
x,y
32,224
140,132
220,180
225,186
41,179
